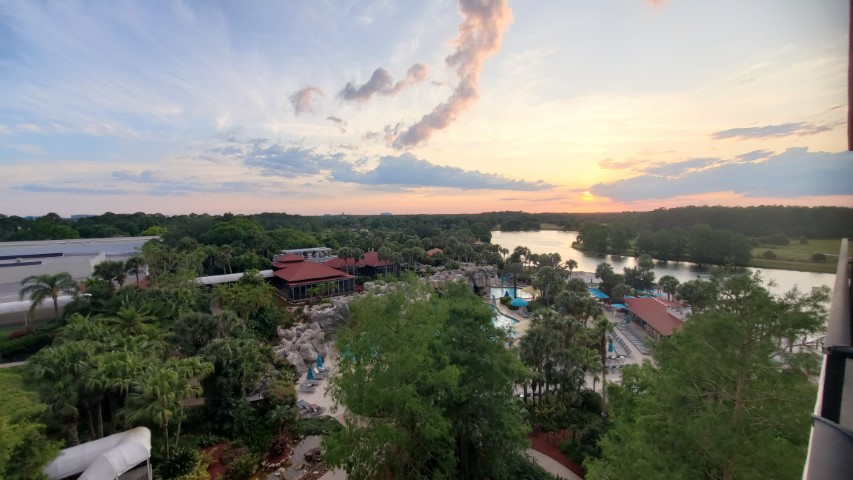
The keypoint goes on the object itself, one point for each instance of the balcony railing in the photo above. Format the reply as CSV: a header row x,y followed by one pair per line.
x,y
830,453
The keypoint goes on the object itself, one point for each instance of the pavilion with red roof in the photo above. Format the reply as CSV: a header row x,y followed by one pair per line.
x,y
369,265
297,279
659,318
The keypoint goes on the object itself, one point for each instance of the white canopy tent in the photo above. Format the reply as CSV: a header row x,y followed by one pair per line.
x,y
105,458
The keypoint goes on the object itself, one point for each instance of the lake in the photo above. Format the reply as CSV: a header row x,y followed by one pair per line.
x,y
551,241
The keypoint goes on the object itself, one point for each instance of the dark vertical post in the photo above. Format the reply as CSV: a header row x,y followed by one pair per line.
x,y
850,79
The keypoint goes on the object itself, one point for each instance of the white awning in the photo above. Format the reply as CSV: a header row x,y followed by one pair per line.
x,y
105,458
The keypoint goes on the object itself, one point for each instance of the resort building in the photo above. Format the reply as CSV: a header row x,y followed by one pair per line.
x,y
433,251
297,279
659,318
314,254
368,266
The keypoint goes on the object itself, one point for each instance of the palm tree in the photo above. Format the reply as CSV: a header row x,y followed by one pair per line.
x,y
158,393
111,270
134,265
133,320
668,284
39,287
571,264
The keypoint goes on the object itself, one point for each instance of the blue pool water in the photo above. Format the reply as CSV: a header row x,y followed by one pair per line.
x,y
502,321
499,292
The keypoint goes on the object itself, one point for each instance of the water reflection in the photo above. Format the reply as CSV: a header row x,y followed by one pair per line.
x,y
548,241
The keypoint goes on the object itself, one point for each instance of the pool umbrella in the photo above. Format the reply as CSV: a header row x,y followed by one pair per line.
x,y
310,374
319,361
518,302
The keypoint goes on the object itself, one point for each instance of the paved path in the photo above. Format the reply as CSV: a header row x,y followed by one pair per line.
x,y
12,364
551,466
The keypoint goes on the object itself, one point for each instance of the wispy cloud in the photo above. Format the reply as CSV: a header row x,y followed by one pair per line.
x,y
341,123
612,164
680,168
303,100
394,172
793,173
382,83
36,187
754,155
480,34
407,170
799,129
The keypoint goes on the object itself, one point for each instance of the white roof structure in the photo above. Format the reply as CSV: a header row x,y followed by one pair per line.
x,y
105,458
228,278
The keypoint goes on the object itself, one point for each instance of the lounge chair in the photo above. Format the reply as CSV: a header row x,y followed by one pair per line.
x,y
307,388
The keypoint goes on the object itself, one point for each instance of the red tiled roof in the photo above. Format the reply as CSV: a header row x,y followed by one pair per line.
x,y
654,312
309,272
433,251
290,258
339,263
371,259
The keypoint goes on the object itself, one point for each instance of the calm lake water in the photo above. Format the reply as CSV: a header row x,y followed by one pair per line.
x,y
549,241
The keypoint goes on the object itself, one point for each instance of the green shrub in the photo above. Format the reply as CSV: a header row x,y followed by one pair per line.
x,y
804,241
23,347
243,468
768,254
819,258
318,426
185,464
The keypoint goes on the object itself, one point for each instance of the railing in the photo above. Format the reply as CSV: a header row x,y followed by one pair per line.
x,y
830,454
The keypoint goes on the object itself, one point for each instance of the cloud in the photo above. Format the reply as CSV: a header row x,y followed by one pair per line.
x,y
754,155
793,173
35,187
611,164
480,34
145,176
341,123
382,83
392,171
303,100
409,171
679,168
278,160
799,129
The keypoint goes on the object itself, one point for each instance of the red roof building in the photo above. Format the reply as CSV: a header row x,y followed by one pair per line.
x,y
369,265
433,251
659,318
300,280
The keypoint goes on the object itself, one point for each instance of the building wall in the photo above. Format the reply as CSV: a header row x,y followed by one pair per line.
x,y
79,266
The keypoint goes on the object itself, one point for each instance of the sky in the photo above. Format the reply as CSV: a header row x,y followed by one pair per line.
x,y
434,106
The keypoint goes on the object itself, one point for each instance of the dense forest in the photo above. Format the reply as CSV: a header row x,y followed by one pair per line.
x,y
795,222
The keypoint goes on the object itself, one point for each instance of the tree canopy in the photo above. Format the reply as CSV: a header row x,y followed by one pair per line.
x,y
730,396
428,386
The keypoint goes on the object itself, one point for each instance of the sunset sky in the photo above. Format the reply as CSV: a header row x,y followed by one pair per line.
x,y
431,106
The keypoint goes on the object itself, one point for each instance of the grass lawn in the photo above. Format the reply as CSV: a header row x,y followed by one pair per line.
x,y
796,256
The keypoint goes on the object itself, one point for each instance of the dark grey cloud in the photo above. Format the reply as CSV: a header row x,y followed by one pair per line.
x,y
799,129
382,83
35,187
793,173
679,168
303,100
483,25
407,170
754,155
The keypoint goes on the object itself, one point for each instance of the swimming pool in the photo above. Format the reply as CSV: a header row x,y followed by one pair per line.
x,y
503,321
499,292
